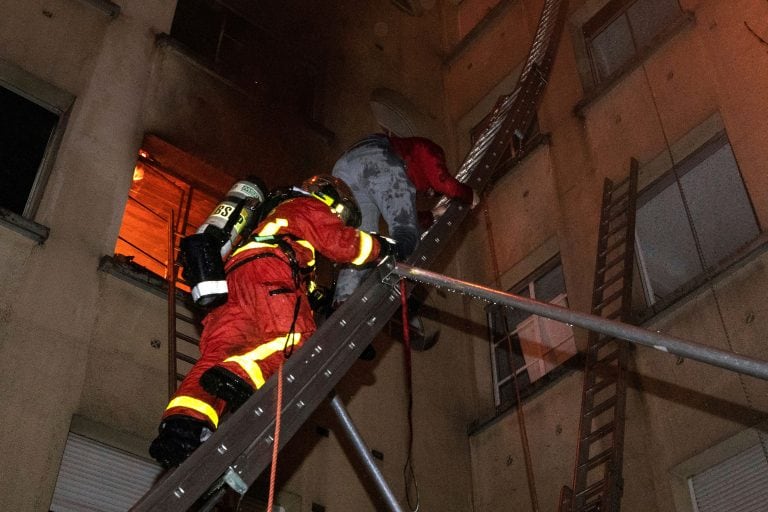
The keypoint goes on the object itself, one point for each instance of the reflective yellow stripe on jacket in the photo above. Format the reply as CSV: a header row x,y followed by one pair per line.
x,y
272,228
366,247
249,361
195,405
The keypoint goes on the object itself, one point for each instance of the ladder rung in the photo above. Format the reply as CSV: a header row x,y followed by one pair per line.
x,y
615,260
598,459
617,228
621,183
600,343
610,281
615,295
615,215
601,385
618,243
186,358
599,433
618,199
592,490
601,407
186,318
606,361
186,337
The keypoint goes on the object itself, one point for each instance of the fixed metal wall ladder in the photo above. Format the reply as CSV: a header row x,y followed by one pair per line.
x,y
183,326
239,451
597,482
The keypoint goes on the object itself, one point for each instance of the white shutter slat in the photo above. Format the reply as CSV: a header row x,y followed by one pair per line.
x,y
737,484
96,477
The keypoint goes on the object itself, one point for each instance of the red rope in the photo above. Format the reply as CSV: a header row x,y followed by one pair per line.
x,y
276,445
408,468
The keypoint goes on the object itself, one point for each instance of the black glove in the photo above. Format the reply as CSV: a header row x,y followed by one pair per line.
x,y
387,247
320,299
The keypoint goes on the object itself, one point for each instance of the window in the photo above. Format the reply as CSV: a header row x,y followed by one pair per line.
x,y
29,136
158,189
525,347
623,31
692,220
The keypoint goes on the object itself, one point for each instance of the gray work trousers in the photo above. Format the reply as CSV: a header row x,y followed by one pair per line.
x,y
381,187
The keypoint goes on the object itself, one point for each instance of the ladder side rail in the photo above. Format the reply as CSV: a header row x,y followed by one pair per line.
x,y
171,283
616,479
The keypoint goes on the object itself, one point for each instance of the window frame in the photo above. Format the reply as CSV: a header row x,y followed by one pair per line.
x,y
669,178
603,18
517,351
59,103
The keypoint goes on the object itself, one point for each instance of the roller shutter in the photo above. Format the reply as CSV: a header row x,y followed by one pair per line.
x,y
738,484
95,477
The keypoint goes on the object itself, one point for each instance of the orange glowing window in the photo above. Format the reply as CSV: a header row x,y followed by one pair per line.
x,y
167,183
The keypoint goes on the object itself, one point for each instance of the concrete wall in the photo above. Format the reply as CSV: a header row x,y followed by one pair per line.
x,y
702,79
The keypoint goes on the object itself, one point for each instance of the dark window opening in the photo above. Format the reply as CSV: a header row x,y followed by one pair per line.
x,y
25,134
243,52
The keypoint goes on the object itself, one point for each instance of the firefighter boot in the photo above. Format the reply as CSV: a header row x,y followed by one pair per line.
x,y
179,436
226,385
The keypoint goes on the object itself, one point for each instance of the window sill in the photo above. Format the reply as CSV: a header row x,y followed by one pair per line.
x,y
594,93
26,227
747,254
111,9
575,363
124,268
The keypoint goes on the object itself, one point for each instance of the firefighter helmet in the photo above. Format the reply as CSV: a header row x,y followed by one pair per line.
x,y
337,195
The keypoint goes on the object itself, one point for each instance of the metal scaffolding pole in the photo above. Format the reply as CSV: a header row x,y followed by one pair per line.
x,y
683,348
365,456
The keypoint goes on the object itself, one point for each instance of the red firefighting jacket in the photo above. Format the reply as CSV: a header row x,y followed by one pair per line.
x,y
426,167
267,303
307,225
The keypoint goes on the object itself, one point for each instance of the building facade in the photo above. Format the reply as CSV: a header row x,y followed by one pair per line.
x,y
120,113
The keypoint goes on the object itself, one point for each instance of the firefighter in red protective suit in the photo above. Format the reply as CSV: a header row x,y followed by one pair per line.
x,y
267,314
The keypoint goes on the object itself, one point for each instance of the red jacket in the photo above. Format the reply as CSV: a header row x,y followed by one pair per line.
x,y
263,299
312,227
426,167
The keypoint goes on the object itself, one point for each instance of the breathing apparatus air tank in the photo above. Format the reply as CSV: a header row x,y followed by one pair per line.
x,y
204,253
